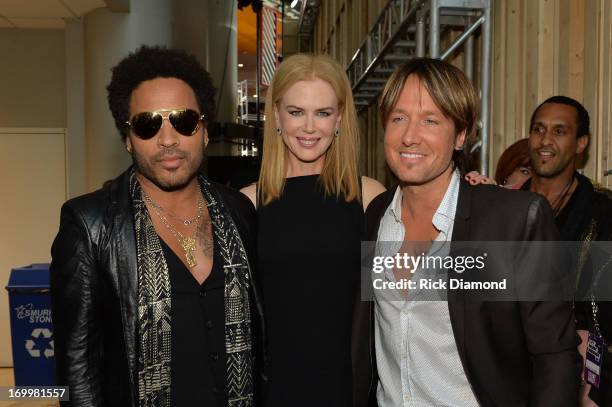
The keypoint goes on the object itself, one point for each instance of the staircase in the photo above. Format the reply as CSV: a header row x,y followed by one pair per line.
x,y
407,29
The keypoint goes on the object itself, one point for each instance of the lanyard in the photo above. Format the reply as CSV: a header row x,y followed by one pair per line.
x,y
594,307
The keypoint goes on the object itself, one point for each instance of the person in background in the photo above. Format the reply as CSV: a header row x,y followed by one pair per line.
x,y
310,205
513,168
559,132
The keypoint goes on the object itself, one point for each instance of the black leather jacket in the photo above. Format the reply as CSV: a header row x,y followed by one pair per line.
x,y
94,294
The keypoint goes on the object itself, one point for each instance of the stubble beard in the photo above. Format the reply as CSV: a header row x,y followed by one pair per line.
x,y
543,172
147,169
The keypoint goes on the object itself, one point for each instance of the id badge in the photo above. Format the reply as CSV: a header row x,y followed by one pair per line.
x,y
594,358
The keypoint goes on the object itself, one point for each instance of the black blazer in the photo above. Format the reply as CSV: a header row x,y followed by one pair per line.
x,y
94,285
513,353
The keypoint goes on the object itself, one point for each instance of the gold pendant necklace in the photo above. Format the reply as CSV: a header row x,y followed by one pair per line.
x,y
189,243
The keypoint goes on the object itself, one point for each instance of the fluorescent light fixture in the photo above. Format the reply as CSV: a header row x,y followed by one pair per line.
x,y
294,3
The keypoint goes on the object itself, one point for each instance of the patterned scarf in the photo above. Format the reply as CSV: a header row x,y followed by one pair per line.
x,y
154,304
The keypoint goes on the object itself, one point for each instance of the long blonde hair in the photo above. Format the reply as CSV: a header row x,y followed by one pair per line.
x,y
340,175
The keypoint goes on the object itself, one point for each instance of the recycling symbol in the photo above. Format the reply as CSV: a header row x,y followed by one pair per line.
x,y
30,344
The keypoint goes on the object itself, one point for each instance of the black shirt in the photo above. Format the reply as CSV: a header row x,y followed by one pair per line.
x,y
586,206
573,217
198,340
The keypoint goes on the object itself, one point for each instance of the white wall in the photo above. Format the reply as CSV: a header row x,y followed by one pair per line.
x,y
109,37
29,210
76,143
32,161
32,78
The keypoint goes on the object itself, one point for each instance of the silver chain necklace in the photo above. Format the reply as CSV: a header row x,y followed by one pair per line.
x,y
188,243
186,222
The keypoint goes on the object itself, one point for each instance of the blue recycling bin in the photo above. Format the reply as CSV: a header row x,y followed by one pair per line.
x,y
31,326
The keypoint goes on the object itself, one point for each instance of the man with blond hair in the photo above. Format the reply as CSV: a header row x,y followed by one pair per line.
x,y
457,352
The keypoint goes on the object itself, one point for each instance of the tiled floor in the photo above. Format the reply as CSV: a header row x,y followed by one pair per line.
x,y
6,379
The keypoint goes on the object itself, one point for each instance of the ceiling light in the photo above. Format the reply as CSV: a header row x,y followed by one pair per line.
x,y
240,65
294,3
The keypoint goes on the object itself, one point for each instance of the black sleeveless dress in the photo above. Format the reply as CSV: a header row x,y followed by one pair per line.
x,y
309,262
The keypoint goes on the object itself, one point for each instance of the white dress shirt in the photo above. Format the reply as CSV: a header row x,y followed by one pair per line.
x,y
416,354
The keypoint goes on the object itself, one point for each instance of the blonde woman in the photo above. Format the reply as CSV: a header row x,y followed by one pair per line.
x,y
310,201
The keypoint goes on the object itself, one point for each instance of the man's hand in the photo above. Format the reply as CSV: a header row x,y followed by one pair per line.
x,y
475,178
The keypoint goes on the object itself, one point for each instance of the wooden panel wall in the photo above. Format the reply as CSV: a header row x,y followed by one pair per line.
x,y
342,25
340,35
540,48
548,47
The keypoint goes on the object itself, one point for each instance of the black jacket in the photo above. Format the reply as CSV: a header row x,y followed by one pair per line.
x,y
513,353
94,293
587,218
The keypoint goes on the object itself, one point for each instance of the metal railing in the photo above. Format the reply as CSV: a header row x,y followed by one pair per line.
x,y
247,100
400,33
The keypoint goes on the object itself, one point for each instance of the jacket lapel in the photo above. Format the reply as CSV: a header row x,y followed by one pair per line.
x,y
456,305
124,248
365,375
376,211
